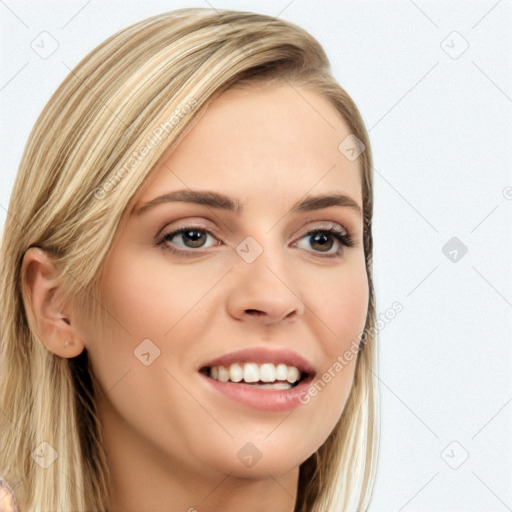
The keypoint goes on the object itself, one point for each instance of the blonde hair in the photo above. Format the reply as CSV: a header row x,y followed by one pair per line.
x,y
120,110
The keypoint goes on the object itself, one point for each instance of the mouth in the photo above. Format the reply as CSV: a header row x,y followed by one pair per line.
x,y
263,376
271,380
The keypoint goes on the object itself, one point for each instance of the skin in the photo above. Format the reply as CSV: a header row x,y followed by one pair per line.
x,y
171,442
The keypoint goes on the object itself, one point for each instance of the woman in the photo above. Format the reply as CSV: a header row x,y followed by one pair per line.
x,y
187,300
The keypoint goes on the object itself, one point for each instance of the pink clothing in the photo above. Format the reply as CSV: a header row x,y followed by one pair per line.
x,y
7,499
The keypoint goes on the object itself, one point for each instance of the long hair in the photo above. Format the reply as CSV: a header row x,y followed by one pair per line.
x,y
124,107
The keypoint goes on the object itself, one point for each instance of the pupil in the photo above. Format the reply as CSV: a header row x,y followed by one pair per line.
x,y
323,238
196,236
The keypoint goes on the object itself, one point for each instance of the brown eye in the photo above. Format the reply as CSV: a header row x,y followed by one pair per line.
x,y
195,238
322,241
185,240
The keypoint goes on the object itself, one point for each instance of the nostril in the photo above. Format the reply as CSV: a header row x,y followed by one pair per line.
x,y
254,312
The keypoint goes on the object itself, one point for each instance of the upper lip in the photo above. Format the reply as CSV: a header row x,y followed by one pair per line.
x,y
262,355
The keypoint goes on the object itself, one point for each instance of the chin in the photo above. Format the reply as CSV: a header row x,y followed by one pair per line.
x,y
256,460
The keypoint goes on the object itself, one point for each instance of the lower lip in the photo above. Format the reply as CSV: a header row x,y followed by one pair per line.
x,y
263,399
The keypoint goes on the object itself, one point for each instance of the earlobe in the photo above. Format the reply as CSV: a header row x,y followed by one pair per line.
x,y
48,312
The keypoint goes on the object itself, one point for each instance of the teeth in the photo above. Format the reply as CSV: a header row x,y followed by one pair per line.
x,y
223,374
292,374
268,373
281,372
251,372
281,375
236,374
277,385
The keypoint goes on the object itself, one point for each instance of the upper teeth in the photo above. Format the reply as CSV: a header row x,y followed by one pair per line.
x,y
253,372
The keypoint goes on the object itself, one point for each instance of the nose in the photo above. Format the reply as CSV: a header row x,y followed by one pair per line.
x,y
264,292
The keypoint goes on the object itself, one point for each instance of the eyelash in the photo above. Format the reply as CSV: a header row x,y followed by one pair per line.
x,y
343,237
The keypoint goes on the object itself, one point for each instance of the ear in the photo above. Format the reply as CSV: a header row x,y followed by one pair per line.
x,y
47,309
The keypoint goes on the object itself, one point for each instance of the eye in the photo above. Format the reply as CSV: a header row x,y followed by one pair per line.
x,y
322,241
190,240
189,237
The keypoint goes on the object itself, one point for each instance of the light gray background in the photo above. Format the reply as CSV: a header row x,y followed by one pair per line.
x,y
440,119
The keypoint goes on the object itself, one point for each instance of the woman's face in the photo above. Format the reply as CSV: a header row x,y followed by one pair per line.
x,y
259,280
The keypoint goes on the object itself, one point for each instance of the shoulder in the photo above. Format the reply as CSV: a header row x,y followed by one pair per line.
x,y
7,500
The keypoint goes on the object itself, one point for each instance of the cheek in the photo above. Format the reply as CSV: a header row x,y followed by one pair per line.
x,y
150,301
343,307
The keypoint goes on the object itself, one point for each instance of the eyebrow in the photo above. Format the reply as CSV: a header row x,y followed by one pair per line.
x,y
223,202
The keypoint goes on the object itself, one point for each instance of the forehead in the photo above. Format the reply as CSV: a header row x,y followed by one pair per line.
x,y
278,141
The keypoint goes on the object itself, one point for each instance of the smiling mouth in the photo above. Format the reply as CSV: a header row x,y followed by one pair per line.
x,y
266,375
